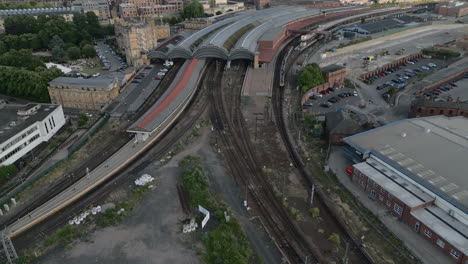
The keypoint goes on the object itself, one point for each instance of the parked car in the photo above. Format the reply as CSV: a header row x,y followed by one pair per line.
x,y
309,104
325,104
425,68
157,78
148,67
453,84
136,81
161,73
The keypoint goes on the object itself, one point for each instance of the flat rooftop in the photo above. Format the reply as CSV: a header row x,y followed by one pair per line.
x,y
12,124
76,83
432,151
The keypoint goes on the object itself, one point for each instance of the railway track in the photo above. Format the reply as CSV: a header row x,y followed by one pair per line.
x,y
160,148
241,160
277,94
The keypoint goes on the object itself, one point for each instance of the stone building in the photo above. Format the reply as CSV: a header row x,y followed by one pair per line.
x,y
196,24
83,94
136,37
99,7
260,4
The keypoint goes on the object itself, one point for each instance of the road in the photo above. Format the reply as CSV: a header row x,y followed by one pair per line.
x,y
113,59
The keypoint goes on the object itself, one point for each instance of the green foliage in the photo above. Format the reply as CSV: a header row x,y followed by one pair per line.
x,y
6,172
309,76
21,58
197,187
63,235
172,20
74,53
82,120
335,239
440,52
219,13
192,10
114,215
31,85
57,48
31,4
315,212
187,160
88,51
227,244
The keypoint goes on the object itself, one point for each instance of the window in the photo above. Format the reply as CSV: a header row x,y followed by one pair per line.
x,y
419,110
381,198
441,112
416,226
389,203
454,253
432,111
450,112
389,196
440,243
372,193
397,209
427,233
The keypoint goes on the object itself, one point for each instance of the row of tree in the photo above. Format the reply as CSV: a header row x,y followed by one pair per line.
x,y
32,85
31,4
28,32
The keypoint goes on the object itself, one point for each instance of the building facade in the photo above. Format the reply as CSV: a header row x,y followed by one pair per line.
x,y
421,108
136,37
196,24
99,7
149,8
24,127
83,94
453,9
260,4
401,172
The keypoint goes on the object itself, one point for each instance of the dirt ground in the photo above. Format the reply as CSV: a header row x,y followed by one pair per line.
x,y
153,232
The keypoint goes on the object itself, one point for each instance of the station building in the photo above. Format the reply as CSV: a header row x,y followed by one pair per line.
x,y
84,94
24,127
416,168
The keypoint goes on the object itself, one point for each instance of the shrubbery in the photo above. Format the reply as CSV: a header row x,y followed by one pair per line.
x,y
309,76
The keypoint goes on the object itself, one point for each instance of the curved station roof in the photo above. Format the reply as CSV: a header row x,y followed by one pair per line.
x,y
236,37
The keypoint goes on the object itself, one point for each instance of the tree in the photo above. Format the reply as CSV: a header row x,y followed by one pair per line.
x,y
82,120
192,10
74,53
57,48
22,58
88,51
219,13
311,75
20,24
94,28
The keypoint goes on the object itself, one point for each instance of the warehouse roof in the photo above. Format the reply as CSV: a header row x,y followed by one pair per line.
x,y
430,150
454,105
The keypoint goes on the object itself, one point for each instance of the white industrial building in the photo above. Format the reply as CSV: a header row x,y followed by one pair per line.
x,y
24,127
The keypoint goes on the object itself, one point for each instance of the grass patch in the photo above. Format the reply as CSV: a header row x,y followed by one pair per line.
x,y
64,235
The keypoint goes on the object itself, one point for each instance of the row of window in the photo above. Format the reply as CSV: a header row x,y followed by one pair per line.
x,y
439,242
51,124
441,112
19,138
15,150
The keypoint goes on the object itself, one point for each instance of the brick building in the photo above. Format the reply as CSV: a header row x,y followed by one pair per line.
x,y
341,124
149,8
421,107
402,169
454,9
335,76
83,94
260,4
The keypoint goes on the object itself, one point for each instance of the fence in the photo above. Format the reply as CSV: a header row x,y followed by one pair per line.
x,y
22,186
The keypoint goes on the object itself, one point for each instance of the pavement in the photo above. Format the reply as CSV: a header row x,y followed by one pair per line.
x,y
420,247
135,94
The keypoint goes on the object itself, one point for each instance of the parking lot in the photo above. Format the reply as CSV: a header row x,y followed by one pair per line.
x,y
457,91
110,60
317,106
406,74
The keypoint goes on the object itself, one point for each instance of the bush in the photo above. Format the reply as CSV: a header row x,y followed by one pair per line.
x,y
6,172
335,239
315,212
82,120
74,53
63,235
